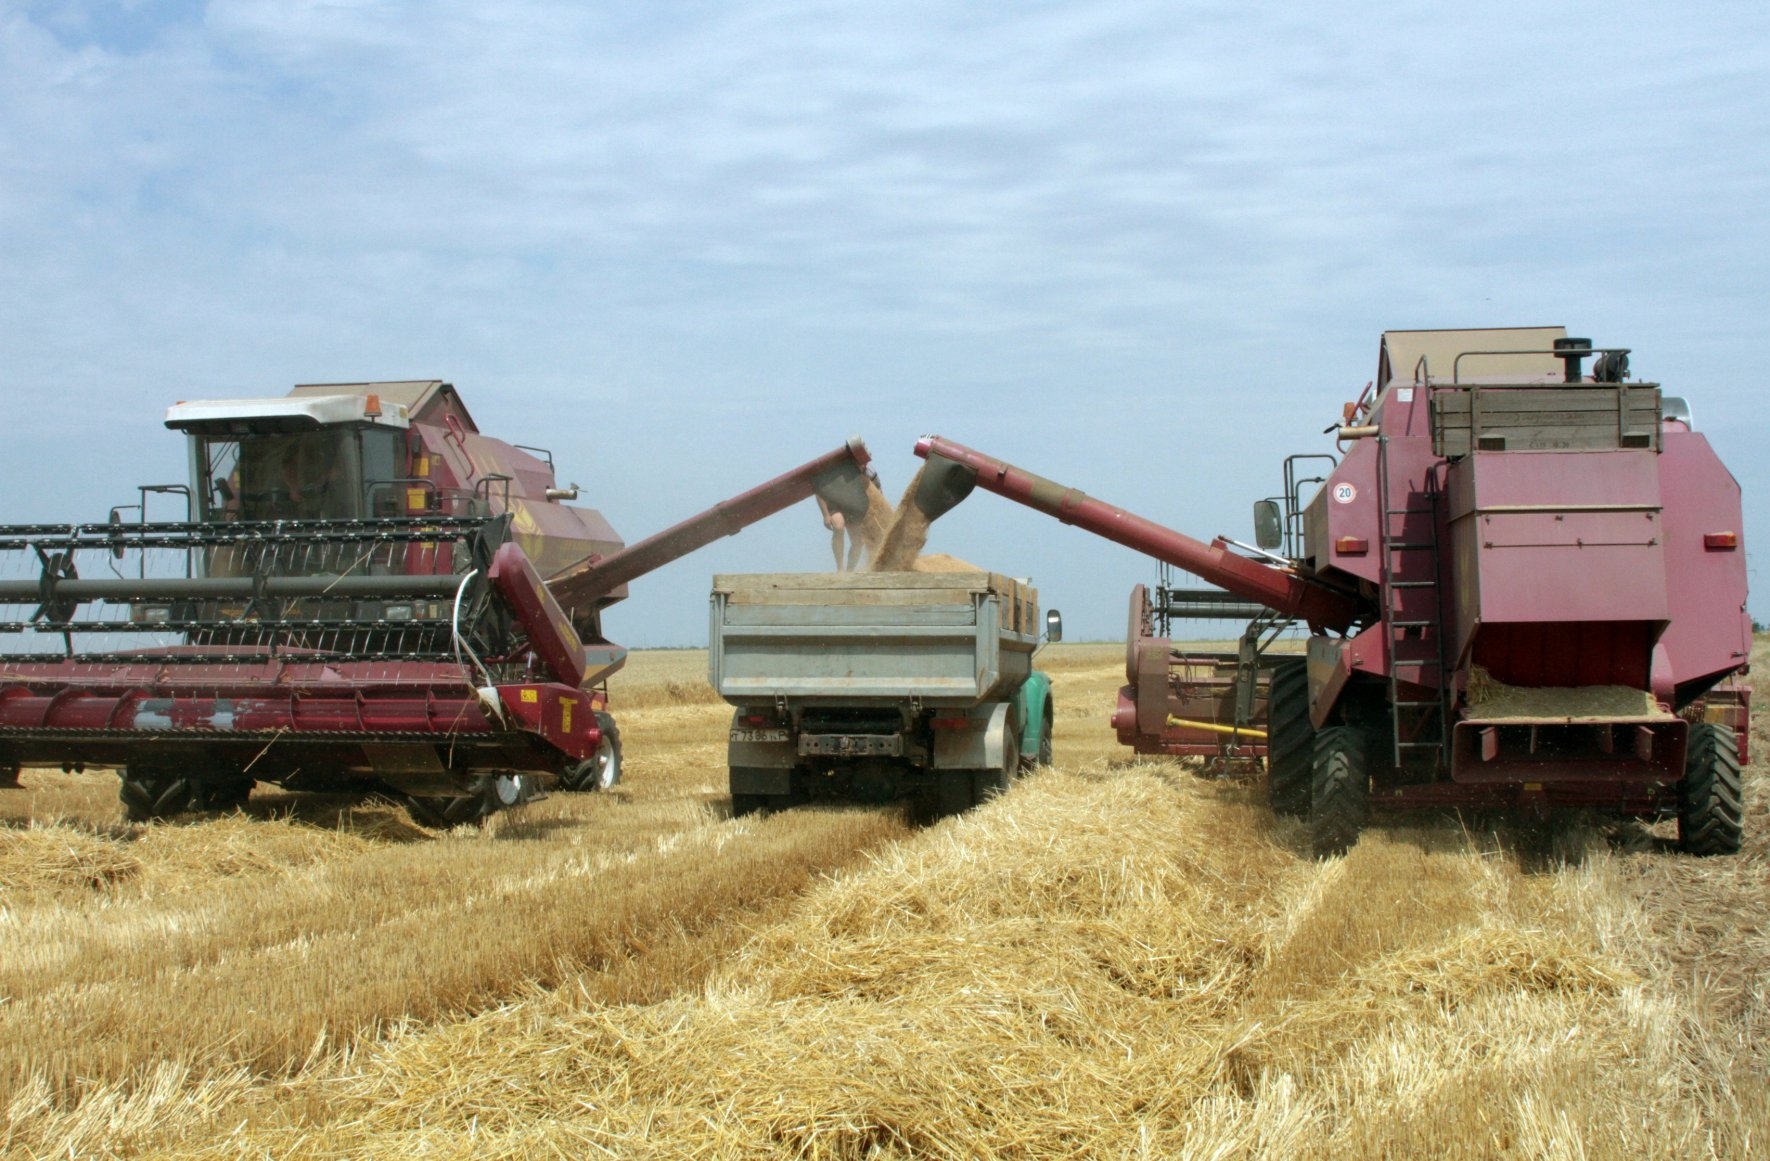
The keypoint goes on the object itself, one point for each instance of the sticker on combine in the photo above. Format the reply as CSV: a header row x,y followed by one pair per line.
x,y
1345,493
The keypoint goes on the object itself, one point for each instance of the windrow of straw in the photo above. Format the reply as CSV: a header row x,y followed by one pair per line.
x,y
1115,959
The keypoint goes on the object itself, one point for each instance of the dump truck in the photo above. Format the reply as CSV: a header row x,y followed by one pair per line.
x,y
1524,587
879,686
362,592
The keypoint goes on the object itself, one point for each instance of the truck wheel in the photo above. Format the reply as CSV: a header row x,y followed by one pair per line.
x,y
1340,790
1711,800
745,804
1290,741
986,784
149,792
954,792
602,770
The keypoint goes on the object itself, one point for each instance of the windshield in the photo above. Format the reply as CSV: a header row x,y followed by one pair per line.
x,y
309,475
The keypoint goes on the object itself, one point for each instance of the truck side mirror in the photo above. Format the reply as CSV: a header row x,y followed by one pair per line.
x,y
1053,626
1268,524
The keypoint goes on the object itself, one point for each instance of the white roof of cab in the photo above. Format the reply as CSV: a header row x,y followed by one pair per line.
x,y
258,416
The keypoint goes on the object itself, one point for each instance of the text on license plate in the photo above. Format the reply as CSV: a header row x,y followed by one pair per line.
x,y
759,735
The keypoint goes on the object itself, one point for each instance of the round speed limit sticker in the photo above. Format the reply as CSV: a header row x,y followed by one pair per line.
x,y
1345,493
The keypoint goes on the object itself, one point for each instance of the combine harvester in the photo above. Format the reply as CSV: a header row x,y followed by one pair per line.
x,y
365,594
1525,588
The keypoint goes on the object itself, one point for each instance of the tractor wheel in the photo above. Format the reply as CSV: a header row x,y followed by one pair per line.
x,y
149,792
1290,741
1339,791
1711,801
602,770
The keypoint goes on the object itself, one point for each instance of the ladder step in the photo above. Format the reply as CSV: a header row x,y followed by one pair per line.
x,y
1410,624
1419,745
1431,584
1411,545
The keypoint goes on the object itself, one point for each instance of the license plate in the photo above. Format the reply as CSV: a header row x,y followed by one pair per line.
x,y
758,735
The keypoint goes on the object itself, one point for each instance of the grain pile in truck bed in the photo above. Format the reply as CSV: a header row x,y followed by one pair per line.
x,y
1492,699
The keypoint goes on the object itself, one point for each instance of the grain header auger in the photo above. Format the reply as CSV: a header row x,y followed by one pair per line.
x,y
1525,588
364,593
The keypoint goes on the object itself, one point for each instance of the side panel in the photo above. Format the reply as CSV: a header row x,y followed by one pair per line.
x,y
1710,631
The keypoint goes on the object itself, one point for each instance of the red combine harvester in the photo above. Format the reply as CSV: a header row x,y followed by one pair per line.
x,y
1525,588
365,594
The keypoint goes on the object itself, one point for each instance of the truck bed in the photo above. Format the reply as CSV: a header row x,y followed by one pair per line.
x,y
942,638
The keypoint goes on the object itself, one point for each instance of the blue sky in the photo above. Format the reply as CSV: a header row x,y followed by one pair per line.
x,y
1144,248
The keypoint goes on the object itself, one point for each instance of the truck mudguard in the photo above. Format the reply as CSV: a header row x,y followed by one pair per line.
x,y
1034,701
983,745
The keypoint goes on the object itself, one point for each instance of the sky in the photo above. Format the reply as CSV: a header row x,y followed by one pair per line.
x,y
1146,249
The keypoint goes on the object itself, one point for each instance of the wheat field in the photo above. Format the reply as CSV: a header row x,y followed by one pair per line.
x,y
1118,958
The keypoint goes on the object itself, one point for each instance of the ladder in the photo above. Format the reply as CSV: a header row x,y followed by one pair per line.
x,y
1413,618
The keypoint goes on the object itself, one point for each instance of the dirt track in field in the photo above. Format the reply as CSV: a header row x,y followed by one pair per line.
x,y
1117,958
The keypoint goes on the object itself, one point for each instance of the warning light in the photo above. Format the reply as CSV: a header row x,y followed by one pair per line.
x,y
1720,541
1352,546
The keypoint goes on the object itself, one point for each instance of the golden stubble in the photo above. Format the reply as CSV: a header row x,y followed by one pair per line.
x,y
1118,958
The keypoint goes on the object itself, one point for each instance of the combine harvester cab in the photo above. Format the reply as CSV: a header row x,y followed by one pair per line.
x,y
366,594
1525,588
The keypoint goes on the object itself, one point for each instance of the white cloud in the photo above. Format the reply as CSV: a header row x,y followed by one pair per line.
x,y
1120,237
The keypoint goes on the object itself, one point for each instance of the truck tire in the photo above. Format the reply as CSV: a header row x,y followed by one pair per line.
x,y
746,804
955,791
602,770
1711,800
1290,741
1339,791
987,784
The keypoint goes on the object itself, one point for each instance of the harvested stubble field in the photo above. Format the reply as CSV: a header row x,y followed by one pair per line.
x,y
1115,959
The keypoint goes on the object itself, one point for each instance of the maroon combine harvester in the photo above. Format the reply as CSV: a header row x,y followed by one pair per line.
x,y
1525,588
365,593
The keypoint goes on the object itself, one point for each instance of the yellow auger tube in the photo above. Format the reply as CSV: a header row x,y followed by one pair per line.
x,y
1232,731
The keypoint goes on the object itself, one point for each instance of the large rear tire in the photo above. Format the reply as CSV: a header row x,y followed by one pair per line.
x,y
1340,790
1290,741
1711,799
